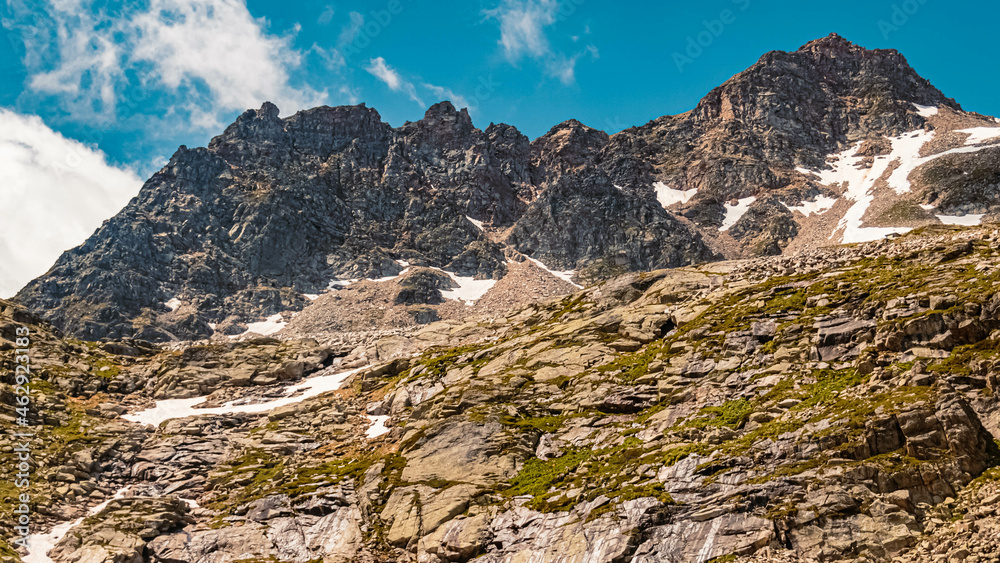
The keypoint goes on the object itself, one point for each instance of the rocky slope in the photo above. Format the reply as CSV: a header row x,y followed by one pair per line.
x,y
835,405
830,143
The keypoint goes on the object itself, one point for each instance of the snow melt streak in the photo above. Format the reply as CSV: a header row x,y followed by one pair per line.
x,y
565,275
180,408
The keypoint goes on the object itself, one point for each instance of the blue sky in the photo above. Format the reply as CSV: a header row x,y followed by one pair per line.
x,y
134,78
97,94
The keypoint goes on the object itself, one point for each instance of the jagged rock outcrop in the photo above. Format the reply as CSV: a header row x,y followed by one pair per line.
x,y
277,208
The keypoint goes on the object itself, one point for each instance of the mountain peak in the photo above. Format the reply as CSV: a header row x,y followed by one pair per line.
x,y
443,118
268,110
832,42
446,111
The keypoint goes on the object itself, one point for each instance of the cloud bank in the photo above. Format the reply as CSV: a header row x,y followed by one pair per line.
x,y
210,57
56,192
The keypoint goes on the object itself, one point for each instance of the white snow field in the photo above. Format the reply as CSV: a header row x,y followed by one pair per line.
x,y
40,544
378,426
268,326
926,111
980,134
859,182
328,379
668,196
735,212
469,289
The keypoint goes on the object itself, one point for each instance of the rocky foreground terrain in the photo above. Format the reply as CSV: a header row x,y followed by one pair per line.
x,y
839,404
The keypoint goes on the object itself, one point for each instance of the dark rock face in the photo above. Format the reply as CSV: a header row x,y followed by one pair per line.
x,y
585,216
276,208
765,227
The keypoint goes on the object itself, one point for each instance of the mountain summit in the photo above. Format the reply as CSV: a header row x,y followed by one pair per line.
x,y
829,143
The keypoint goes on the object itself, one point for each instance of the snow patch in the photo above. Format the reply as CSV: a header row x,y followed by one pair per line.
x,y
268,326
668,196
735,212
173,304
40,544
469,289
926,111
817,206
970,220
337,284
326,380
926,207
907,150
478,224
980,134
565,275
377,427
311,296
801,170
859,182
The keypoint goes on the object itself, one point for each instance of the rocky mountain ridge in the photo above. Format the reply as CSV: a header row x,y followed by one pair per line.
x,y
830,143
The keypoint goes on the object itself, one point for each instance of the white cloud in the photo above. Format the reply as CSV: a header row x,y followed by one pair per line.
x,y
56,192
523,26
332,59
89,66
218,43
213,54
379,69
